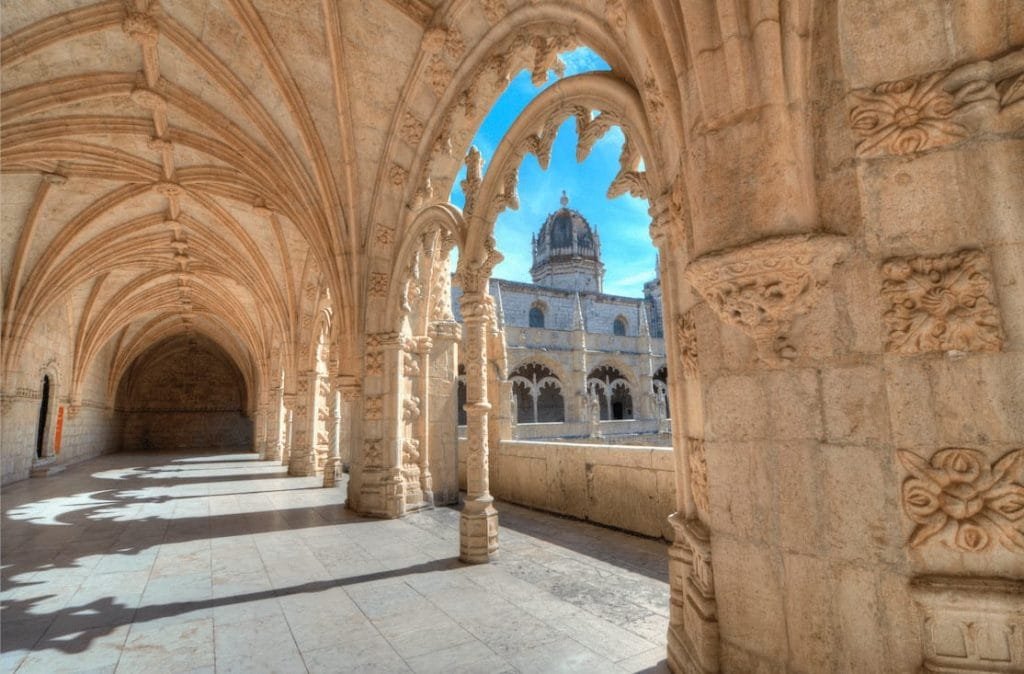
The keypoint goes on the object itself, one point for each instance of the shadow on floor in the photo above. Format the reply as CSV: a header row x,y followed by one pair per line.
x,y
103,616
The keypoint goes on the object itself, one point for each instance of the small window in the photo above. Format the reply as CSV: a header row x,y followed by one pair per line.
x,y
536,317
619,327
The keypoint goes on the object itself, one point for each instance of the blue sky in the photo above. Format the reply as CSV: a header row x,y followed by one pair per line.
x,y
626,249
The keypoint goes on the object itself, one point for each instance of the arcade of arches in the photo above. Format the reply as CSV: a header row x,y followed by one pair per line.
x,y
235,211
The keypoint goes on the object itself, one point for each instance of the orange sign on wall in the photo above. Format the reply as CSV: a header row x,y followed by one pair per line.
x,y
60,429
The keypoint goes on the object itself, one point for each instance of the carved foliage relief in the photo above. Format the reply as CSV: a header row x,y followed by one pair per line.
x,y
960,499
916,114
686,336
761,288
698,474
941,303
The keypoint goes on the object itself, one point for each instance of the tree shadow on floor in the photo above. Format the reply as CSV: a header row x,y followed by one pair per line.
x,y
73,629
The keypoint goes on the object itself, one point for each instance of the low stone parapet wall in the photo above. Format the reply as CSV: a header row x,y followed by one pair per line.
x,y
627,487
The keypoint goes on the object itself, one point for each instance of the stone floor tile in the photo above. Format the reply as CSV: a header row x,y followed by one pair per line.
x,y
95,650
470,657
211,578
561,656
184,646
649,662
363,656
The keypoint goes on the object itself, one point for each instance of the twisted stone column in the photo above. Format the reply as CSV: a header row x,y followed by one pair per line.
x,y
423,347
478,525
332,467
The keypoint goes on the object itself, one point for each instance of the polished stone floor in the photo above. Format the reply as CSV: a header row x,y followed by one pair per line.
x,y
175,563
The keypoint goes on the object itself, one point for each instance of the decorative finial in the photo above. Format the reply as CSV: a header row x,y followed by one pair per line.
x,y
564,200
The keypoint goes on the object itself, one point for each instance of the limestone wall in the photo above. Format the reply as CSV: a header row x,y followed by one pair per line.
x,y
631,488
89,426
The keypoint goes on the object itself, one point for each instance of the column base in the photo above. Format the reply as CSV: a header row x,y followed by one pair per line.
x,y
332,470
302,464
478,532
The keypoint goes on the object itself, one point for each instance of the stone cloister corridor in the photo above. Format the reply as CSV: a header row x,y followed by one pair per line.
x,y
232,226
170,562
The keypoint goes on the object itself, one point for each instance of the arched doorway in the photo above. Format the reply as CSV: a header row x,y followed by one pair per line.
x,y
44,413
184,394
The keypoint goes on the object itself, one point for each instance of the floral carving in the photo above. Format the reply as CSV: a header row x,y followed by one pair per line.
x,y
374,363
957,495
373,408
761,288
916,114
411,129
615,14
385,235
378,283
494,10
474,176
686,336
698,473
398,175
439,75
904,117
941,303
373,453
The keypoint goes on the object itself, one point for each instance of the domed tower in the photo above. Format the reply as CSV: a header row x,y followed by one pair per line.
x,y
567,252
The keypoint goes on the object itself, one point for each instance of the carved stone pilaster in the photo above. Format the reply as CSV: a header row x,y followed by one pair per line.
x,y
693,636
971,625
302,460
333,465
762,287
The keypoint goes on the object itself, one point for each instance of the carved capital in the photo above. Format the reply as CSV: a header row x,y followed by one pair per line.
x,y
762,287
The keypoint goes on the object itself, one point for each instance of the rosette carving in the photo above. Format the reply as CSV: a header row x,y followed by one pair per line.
x,y
962,499
941,303
761,288
921,113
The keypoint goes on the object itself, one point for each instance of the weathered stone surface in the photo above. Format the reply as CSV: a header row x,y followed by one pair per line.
x,y
836,195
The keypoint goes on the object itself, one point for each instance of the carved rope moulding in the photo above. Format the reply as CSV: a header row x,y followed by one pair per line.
x,y
940,303
960,499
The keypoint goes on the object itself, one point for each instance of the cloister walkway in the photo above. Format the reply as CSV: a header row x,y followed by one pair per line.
x,y
172,563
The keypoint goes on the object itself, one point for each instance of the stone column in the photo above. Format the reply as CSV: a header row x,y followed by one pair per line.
x,y
260,424
276,425
302,460
423,348
332,467
442,430
478,525
349,397
288,400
